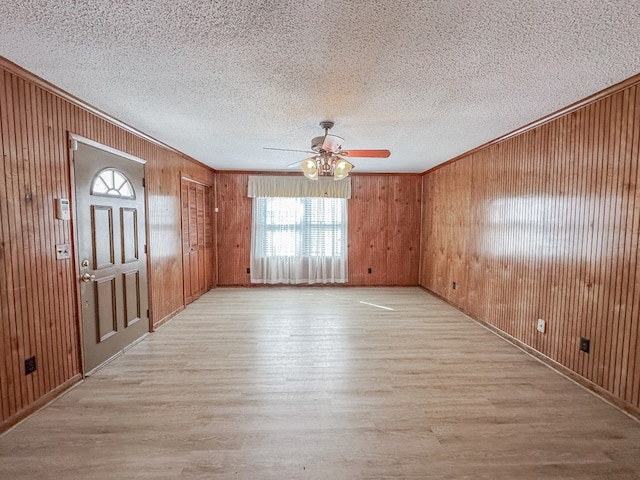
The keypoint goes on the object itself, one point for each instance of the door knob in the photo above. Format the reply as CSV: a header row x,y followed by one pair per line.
x,y
87,277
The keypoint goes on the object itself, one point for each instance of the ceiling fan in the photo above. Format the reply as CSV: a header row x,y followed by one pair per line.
x,y
328,156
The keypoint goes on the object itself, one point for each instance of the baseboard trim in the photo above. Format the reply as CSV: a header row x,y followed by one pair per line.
x,y
168,317
629,410
13,421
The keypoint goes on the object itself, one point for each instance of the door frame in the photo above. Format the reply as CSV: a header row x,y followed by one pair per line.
x,y
72,141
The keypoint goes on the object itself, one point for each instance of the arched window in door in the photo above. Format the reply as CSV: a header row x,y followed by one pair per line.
x,y
111,182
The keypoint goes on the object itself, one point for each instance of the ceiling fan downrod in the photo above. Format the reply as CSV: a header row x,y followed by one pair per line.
x,y
327,125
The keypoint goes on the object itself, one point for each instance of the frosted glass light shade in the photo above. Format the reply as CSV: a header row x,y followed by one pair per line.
x,y
342,169
310,168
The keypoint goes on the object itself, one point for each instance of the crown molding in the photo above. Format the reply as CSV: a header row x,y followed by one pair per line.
x,y
26,75
613,89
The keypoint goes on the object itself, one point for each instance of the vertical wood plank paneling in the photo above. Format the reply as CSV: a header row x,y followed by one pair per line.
x,y
358,233
620,267
384,229
611,199
599,222
368,229
38,311
632,382
209,239
629,244
632,244
32,200
17,260
52,230
403,257
40,179
234,228
65,308
66,331
551,232
7,402
570,271
556,234
579,175
476,228
591,220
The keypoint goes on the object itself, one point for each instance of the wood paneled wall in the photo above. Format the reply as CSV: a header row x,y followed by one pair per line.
x,y
384,229
233,221
38,292
546,225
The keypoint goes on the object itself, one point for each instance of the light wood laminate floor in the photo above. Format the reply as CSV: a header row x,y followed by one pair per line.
x,y
323,383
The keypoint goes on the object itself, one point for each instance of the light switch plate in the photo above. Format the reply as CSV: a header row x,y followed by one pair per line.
x,y
541,326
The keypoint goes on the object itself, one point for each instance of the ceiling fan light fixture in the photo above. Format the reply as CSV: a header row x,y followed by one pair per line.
x,y
341,169
328,156
310,168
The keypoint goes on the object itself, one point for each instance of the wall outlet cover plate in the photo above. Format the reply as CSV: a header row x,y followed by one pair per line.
x,y
63,251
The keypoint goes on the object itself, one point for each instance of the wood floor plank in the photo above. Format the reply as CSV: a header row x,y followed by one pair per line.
x,y
319,383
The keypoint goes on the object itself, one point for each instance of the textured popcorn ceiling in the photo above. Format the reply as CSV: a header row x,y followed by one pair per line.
x,y
428,80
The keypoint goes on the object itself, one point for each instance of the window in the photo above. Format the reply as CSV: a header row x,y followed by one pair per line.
x,y
310,227
299,240
111,182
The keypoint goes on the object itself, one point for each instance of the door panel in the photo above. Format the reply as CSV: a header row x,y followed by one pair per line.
x,y
102,236
105,304
186,242
196,239
129,229
131,281
110,213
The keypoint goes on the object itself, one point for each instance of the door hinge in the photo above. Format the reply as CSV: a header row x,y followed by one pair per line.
x,y
143,182
147,313
145,248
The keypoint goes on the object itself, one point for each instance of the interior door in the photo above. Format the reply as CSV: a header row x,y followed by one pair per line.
x,y
196,239
111,249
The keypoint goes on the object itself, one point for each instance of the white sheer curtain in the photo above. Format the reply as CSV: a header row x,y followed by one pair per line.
x,y
298,239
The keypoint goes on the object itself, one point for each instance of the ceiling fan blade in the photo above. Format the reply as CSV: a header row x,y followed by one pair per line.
x,y
287,150
366,153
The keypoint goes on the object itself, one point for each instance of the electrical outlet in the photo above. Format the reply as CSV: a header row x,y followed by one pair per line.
x,y
453,285
585,345
369,270
63,251
248,270
541,326
30,365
